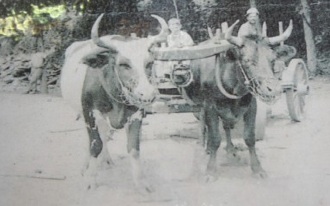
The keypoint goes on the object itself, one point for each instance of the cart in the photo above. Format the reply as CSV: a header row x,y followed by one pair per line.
x,y
295,86
172,98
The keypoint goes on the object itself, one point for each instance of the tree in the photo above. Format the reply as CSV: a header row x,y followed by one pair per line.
x,y
309,38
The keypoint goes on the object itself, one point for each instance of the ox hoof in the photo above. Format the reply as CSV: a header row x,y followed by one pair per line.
x,y
106,163
84,169
209,178
144,188
90,183
230,149
91,187
261,174
232,153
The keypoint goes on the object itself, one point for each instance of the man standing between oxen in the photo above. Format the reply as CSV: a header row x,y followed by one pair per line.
x,y
252,26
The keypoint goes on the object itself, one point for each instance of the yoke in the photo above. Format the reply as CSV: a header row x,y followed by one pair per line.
x,y
191,53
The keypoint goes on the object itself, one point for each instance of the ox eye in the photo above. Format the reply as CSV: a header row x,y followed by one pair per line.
x,y
149,65
124,66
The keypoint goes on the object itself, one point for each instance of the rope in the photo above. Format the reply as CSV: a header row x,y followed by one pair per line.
x,y
105,87
176,9
252,87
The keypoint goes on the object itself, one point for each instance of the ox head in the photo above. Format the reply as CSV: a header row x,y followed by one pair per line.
x,y
257,60
130,61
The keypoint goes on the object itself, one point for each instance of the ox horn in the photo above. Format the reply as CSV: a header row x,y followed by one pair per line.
x,y
95,35
232,39
280,38
162,36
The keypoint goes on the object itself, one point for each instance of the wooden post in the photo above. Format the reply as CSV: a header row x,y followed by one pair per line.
x,y
218,33
264,29
280,26
209,31
224,27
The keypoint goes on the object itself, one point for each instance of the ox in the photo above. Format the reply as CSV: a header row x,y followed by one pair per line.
x,y
241,74
109,75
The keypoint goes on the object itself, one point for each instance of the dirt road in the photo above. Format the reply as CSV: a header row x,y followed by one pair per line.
x,y
42,152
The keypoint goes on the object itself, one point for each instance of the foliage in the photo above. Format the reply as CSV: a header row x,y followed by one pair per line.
x,y
39,25
40,19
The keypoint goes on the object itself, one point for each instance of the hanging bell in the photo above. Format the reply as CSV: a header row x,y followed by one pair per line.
x,y
181,75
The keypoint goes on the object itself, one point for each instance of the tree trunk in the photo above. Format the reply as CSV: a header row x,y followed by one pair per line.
x,y
310,45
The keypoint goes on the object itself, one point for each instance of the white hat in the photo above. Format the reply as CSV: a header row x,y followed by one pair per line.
x,y
252,11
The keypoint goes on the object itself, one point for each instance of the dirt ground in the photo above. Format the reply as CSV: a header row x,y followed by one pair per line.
x,y
42,150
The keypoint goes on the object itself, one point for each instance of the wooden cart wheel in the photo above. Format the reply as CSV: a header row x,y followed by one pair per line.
x,y
296,95
261,120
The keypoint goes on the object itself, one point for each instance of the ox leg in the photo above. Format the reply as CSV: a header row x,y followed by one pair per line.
x,y
213,142
95,148
133,131
249,138
105,160
229,144
202,140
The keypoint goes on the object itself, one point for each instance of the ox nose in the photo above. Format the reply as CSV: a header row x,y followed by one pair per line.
x,y
271,87
146,94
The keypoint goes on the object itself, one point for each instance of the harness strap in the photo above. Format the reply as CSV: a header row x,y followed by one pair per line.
x,y
125,96
106,88
219,82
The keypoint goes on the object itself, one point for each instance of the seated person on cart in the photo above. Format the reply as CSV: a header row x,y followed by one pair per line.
x,y
179,39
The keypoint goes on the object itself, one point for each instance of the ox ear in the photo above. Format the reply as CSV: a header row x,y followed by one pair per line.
x,y
285,52
232,54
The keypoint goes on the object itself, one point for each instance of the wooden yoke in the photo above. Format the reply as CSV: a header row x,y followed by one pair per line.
x,y
213,47
189,53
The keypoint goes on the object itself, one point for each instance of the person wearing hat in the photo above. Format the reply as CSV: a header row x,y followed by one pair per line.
x,y
252,26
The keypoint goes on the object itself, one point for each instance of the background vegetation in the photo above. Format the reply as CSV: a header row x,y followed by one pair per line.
x,y
34,25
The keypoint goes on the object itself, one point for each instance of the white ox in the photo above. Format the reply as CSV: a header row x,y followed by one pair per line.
x,y
108,75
